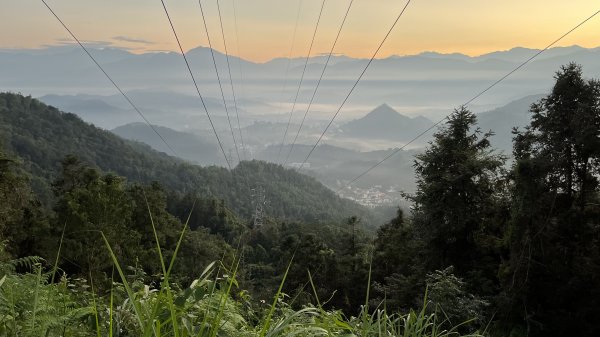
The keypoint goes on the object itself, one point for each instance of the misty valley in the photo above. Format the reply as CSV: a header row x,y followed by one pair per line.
x,y
194,192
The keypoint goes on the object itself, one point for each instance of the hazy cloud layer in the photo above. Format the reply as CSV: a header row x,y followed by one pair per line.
x,y
132,40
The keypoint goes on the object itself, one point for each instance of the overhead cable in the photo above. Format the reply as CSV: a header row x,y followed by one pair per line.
x,y
230,77
470,100
301,79
195,83
319,81
357,81
212,53
139,112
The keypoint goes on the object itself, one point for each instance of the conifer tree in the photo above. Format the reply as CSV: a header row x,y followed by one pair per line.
x,y
553,275
457,195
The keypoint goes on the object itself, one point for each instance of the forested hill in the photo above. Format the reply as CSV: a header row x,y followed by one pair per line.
x,y
42,136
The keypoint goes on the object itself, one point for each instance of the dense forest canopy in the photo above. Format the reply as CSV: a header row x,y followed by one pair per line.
x,y
490,246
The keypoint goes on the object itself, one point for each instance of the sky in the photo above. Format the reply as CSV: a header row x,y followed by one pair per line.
x,y
265,27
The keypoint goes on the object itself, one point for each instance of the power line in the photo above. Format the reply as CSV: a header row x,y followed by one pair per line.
x,y
287,68
229,69
319,81
212,53
111,80
471,100
239,58
301,78
230,78
195,83
357,81
531,58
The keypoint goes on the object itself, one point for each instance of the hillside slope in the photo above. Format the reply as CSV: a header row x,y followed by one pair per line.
x,y
188,146
42,136
502,120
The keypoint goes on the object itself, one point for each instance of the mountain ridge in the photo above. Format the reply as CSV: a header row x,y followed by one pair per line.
x,y
426,81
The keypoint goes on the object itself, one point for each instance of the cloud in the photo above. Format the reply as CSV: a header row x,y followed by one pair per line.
x,y
131,39
87,43
96,44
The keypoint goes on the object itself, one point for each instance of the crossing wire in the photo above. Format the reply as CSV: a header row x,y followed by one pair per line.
x,y
301,79
319,81
531,58
139,112
212,53
195,83
356,83
239,58
230,78
289,62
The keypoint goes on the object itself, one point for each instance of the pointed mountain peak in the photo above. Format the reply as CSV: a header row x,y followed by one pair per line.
x,y
384,110
203,50
384,122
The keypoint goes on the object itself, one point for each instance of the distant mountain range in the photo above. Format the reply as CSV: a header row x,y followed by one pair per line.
x,y
421,89
428,83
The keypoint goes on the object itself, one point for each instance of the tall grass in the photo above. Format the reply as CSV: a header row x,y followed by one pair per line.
x,y
30,306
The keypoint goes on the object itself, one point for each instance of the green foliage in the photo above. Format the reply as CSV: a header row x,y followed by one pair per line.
x,y
338,269
68,309
22,219
13,193
519,250
456,194
449,295
211,214
554,248
398,272
42,136
90,203
31,306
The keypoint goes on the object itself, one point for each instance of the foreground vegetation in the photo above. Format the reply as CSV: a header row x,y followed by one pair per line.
x,y
491,247
36,303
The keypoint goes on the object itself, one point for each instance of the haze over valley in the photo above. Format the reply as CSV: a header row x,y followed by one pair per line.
x,y
399,97
301,168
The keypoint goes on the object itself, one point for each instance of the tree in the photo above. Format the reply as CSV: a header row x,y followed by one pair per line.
x,y
90,203
23,222
552,279
13,194
457,196
149,216
398,273
208,213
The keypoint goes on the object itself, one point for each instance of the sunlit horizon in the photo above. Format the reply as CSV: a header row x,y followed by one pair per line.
x,y
265,28
94,45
